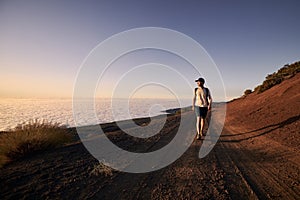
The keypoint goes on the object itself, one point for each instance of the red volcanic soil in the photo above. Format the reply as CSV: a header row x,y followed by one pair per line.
x,y
275,112
256,157
262,134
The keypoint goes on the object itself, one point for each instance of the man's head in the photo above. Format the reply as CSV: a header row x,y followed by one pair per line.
x,y
200,81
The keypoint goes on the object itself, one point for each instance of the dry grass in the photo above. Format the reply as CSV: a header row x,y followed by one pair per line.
x,y
33,136
102,169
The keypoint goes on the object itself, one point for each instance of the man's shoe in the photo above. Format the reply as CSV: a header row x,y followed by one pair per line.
x,y
199,136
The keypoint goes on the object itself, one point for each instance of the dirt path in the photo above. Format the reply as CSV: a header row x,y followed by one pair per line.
x,y
241,166
271,170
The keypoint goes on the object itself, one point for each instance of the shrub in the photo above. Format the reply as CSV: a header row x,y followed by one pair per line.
x,y
26,138
248,91
178,112
102,169
282,74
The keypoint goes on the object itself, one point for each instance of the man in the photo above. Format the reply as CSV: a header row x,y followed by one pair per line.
x,y
201,104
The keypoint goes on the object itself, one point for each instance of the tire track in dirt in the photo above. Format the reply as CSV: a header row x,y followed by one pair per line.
x,y
266,176
237,184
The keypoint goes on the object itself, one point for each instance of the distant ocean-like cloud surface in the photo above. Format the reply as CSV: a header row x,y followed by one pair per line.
x,y
16,111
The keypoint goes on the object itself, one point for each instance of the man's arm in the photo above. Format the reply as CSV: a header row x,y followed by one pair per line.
x,y
194,99
209,101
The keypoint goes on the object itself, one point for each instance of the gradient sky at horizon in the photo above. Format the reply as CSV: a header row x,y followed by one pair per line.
x,y
43,43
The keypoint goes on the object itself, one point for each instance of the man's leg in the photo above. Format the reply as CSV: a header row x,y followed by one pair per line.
x,y
198,125
202,125
203,114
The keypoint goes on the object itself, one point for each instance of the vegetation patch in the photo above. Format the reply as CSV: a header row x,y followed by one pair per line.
x,y
102,169
247,92
26,138
282,74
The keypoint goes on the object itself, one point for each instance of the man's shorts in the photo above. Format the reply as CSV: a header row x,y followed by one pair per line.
x,y
201,111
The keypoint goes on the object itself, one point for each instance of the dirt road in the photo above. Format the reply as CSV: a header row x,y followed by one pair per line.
x,y
245,164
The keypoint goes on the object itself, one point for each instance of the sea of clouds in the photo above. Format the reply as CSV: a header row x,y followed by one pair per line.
x,y
16,111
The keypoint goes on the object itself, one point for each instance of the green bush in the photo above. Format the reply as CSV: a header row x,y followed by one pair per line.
x,y
282,74
248,91
26,138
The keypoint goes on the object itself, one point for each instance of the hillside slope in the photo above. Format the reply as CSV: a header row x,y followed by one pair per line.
x,y
277,107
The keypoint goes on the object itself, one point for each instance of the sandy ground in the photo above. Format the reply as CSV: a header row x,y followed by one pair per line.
x,y
256,157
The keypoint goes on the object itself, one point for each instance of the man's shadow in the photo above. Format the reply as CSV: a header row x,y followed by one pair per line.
x,y
272,126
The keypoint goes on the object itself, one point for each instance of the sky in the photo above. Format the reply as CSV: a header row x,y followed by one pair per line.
x,y
44,43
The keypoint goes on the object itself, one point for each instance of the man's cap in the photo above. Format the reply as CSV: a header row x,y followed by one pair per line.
x,y
200,80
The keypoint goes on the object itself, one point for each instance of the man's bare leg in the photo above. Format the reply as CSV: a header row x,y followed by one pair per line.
x,y
198,126
202,126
